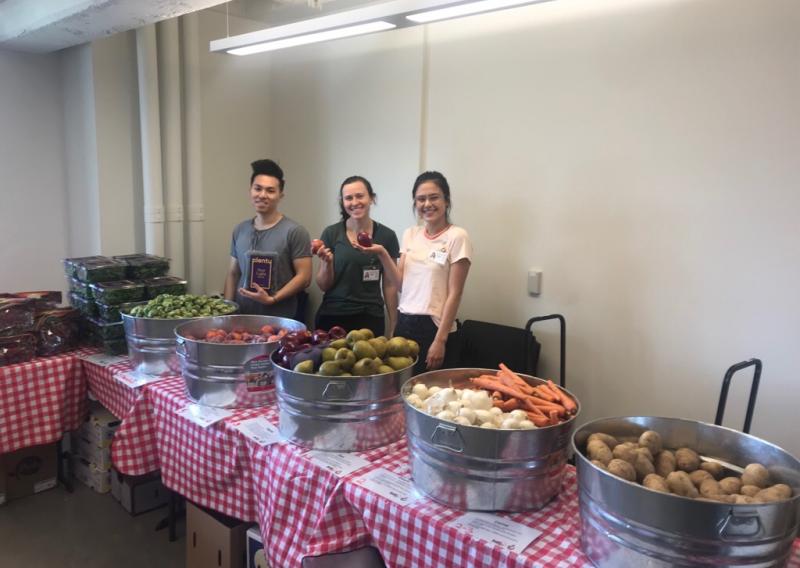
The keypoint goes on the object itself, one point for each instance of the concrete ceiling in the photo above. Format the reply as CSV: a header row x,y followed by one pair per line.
x,y
42,26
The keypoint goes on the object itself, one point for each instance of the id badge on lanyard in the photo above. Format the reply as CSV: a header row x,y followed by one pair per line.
x,y
370,274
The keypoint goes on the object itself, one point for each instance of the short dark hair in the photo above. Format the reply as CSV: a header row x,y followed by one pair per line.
x,y
441,183
267,168
354,179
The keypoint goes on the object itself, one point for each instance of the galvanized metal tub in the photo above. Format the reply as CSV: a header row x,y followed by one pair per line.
x,y
344,414
151,343
229,375
478,469
625,524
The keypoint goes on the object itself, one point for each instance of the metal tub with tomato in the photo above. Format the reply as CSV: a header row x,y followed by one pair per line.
x,y
229,375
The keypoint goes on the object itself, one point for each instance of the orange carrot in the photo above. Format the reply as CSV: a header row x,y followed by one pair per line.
x,y
509,405
538,419
545,394
554,417
564,398
521,384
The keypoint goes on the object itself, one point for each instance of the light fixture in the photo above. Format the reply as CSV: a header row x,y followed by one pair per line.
x,y
359,21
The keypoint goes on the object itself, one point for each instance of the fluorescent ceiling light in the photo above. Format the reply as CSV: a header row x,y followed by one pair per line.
x,y
464,10
337,33
364,20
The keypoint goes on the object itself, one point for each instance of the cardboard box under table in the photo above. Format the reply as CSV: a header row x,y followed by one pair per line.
x,y
214,540
139,493
28,471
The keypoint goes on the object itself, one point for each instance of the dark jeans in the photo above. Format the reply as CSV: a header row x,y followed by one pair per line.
x,y
357,321
422,330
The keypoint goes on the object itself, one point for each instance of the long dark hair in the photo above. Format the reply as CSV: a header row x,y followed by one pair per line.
x,y
441,183
353,179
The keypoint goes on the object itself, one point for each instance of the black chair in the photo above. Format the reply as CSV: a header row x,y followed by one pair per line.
x,y
485,345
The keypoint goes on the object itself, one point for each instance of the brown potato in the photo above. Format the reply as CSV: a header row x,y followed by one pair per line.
x,y
646,453
680,484
623,469
749,490
698,476
687,460
598,450
743,499
714,469
756,474
777,492
710,487
643,466
607,439
730,485
656,483
626,451
665,463
600,464
651,440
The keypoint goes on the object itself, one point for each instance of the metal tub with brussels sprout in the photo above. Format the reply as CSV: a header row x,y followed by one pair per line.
x,y
340,391
150,329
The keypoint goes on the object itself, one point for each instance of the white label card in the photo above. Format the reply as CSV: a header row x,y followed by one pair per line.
x,y
203,416
104,360
260,430
339,464
389,485
135,380
500,531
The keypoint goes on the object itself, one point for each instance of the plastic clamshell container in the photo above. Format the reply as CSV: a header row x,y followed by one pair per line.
x,y
165,285
111,313
626,524
80,287
229,375
86,306
480,469
343,414
118,292
106,270
105,330
71,264
17,316
152,343
141,266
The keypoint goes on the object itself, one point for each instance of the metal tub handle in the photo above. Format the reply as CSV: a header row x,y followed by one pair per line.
x,y
337,390
180,346
741,524
448,437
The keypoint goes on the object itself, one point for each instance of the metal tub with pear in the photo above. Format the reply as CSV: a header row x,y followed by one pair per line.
x,y
229,375
479,469
345,414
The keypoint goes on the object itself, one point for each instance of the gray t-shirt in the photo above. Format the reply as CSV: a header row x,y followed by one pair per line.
x,y
286,241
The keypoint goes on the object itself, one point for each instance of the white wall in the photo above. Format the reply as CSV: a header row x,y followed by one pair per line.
x,y
32,173
642,153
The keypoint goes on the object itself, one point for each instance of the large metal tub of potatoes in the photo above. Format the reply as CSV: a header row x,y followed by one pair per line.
x,y
345,401
468,453
661,492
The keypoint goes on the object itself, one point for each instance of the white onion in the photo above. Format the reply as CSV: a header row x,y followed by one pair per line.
x,y
527,425
454,406
414,400
446,415
483,416
481,400
433,390
510,424
420,390
468,413
518,415
489,425
461,420
496,411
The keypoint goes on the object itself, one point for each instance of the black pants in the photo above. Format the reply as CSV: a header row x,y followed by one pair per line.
x,y
356,321
423,330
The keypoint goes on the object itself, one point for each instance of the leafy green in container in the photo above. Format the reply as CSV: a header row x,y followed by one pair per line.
x,y
119,292
80,287
106,270
165,285
186,306
110,313
104,330
86,306
71,264
141,266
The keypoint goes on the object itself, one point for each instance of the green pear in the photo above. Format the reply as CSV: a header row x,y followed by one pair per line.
x,y
328,354
304,367
383,369
345,358
379,346
354,336
330,369
398,363
413,347
365,367
367,333
363,350
338,343
397,347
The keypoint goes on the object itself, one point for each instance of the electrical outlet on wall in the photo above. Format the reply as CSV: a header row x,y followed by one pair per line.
x,y
534,281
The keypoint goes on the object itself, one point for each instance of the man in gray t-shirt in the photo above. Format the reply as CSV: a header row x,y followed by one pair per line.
x,y
270,254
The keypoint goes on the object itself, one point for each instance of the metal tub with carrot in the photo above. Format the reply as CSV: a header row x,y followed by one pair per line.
x,y
488,440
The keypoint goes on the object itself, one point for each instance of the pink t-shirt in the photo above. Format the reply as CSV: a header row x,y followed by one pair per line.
x,y
427,269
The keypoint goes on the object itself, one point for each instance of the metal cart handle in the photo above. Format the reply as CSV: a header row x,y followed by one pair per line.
x,y
726,383
562,381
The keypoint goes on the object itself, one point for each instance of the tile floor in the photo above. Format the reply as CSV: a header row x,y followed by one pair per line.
x,y
83,529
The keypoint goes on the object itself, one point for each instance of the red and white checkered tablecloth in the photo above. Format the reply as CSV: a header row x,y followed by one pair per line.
x,y
40,400
133,449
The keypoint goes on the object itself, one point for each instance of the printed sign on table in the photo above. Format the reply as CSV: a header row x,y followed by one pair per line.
x,y
103,360
339,464
260,430
389,485
203,416
497,530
